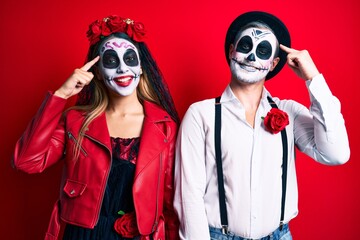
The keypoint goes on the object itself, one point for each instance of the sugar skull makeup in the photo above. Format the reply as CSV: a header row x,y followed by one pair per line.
x,y
253,55
120,65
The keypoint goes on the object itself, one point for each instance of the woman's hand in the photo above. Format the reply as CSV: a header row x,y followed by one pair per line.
x,y
77,81
301,63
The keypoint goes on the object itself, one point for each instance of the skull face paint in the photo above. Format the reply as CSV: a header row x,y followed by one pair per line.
x,y
120,65
253,55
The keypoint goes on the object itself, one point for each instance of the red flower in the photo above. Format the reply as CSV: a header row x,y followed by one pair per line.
x,y
126,225
116,23
105,29
139,31
113,24
94,32
276,120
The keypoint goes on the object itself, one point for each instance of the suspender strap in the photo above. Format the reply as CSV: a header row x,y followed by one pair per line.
x,y
284,167
222,204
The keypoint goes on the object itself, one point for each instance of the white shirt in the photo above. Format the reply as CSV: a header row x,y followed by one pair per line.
x,y
252,159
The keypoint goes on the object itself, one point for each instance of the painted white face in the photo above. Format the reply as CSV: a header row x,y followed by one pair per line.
x,y
253,55
120,65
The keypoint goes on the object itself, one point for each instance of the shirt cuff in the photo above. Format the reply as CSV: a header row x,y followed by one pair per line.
x,y
318,89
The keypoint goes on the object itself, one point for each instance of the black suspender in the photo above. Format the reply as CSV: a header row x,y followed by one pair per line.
x,y
222,204
284,166
223,212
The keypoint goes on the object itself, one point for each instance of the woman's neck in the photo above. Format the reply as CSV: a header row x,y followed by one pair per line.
x,y
125,116
124,105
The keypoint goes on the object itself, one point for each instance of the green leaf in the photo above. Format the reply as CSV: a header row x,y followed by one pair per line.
x,y
121,212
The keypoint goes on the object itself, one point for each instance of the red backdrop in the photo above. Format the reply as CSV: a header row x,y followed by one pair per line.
x,y
43,41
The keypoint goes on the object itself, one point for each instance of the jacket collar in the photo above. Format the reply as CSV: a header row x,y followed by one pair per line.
x,y
154,137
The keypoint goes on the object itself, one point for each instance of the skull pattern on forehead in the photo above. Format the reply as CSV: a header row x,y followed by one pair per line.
x,y
253,54
120,65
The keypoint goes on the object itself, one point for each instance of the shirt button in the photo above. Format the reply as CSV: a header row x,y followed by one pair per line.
x,y
72,192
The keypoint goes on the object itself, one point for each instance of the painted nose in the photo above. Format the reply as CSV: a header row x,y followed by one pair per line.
x,y
251,57
121,69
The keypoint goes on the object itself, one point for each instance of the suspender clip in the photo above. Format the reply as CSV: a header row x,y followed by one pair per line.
x,y
224,229
281,225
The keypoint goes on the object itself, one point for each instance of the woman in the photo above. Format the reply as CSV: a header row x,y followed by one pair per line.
x,y
117,142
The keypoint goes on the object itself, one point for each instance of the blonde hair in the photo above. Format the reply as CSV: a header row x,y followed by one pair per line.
x,y
93,100
101,101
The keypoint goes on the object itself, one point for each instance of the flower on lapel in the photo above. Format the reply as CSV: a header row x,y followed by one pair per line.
x,y
276,120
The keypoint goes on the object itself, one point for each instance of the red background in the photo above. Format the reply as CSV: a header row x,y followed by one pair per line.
x,y
43,41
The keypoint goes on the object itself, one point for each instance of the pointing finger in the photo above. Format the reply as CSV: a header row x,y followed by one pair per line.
x,y
88,65
287,49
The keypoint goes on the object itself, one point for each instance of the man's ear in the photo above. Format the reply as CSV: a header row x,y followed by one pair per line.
x,y
274,63
231,50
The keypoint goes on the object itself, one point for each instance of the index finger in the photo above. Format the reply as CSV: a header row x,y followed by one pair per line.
x,y
287,49
88,65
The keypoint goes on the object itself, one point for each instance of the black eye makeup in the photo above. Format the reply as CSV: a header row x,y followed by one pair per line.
x,y
264,50
130,58
244,45
110,59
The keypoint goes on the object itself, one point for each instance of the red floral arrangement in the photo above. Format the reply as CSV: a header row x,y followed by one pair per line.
x,y
103,28
276,120
126,225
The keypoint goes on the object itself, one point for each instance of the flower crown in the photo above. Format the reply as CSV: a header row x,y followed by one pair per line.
x,y
111,24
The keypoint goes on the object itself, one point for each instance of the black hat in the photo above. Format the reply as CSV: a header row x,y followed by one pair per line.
x,y
276,25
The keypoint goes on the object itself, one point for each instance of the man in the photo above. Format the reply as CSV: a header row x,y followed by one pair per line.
x,y
256,194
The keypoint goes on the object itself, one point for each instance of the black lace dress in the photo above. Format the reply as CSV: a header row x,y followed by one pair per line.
x,y
118,193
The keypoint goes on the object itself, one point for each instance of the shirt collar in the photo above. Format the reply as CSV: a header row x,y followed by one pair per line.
x,y
228,95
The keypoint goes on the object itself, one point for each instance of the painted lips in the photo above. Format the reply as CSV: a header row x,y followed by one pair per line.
x,y
123,81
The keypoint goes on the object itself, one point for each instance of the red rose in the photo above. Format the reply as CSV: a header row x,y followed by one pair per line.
x,y
139,31
113,24
276,120
116,24
105,29
126,226
94,32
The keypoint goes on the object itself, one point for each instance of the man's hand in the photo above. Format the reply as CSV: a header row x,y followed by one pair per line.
x,y
77,81
300,62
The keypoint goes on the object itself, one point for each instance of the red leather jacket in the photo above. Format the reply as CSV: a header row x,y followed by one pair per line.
x,y
51,137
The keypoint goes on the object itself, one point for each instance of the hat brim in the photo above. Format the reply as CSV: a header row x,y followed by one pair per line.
x,y
277,26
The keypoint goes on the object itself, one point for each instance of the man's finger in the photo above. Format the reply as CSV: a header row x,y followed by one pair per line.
x,y
287,49
88,65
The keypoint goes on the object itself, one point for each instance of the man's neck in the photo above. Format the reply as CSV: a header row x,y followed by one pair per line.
x,y
249,94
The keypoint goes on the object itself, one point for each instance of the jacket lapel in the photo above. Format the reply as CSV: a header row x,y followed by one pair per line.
x,y
98,131
153,139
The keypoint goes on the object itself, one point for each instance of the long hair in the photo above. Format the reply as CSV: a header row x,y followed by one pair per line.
x,y
93,99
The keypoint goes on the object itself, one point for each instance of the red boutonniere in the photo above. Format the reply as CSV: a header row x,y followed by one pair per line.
x,y
276,120
126,225
111,24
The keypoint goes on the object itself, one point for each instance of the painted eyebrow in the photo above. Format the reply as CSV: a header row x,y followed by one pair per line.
x,y
123,45
257,34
